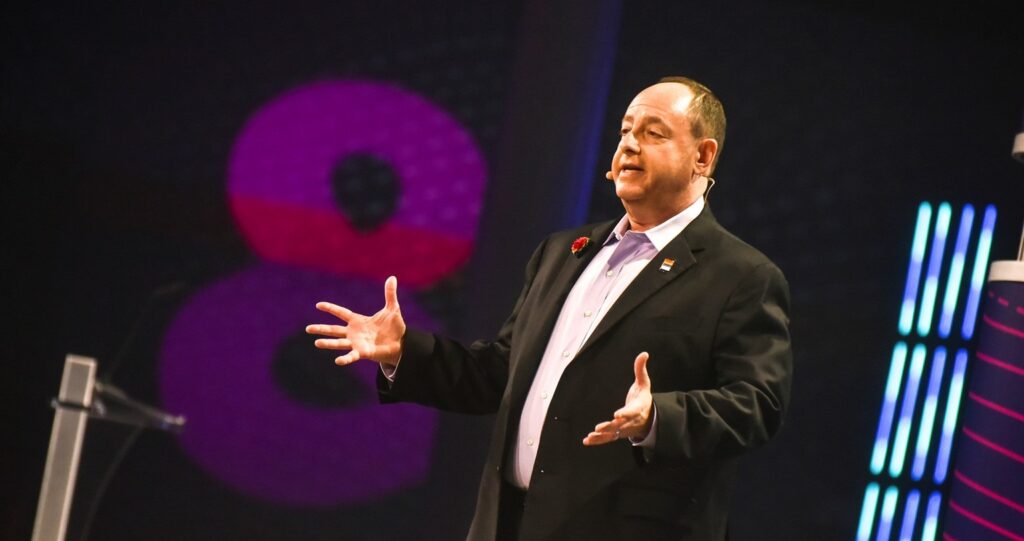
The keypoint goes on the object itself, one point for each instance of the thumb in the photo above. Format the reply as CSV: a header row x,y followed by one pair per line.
x,y
643,380
391,293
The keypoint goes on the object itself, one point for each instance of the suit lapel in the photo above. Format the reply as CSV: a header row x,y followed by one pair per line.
x,y
681,249
568,272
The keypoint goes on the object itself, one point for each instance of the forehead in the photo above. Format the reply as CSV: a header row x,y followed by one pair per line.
x,y
668,102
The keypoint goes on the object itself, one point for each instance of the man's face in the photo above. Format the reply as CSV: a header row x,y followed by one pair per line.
x,y
655,160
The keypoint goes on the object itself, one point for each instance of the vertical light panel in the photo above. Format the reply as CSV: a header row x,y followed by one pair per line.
x,y
910,516
978,273
867,512
888,512
899,447
931,517
924,217
911,442
892,392
956,387
926,314
956,271
931,404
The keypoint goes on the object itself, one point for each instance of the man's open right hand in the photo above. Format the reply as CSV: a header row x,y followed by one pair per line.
x,y
377,337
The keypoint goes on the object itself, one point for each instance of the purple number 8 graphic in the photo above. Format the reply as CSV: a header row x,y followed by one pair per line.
x,y
215,364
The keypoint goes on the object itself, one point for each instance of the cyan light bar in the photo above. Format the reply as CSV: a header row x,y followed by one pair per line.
x,y
931,405
978,273
931,517
892,392
956,387
899,447
926,314
924,217
888,512
956,271
910,516
867,512
921,311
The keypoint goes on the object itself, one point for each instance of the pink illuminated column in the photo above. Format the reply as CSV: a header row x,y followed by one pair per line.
x,y
986,499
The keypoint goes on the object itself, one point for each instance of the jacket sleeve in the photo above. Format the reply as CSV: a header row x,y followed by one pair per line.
x,y
753,364
442,373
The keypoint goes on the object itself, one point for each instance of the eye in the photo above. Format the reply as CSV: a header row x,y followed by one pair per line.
x,y
655,133
623,131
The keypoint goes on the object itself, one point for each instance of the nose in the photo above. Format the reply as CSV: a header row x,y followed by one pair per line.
x,y
628,143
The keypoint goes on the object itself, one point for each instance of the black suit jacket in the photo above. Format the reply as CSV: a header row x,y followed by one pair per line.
x,y
716,328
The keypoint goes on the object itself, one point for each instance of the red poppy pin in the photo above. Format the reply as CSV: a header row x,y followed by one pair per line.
x,y
579,245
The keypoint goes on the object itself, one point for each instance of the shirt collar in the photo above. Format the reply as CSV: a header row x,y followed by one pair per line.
x,y
663,233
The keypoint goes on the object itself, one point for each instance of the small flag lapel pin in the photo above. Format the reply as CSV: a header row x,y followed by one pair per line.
x,y
667,265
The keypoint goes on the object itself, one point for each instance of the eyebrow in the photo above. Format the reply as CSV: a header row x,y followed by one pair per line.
x,y
650,119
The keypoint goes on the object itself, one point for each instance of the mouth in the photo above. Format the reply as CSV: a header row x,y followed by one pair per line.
x,y
630,169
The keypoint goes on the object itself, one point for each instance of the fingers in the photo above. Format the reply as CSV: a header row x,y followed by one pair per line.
x,y
339,344
614,430
626,413
628,422
593,439
347,358
643,380
337,311
391,293
603,433
334,331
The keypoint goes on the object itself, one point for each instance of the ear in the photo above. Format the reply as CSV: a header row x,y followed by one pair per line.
x,y
707,150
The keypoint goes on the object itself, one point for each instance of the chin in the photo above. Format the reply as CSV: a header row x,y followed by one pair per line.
x,y
628,192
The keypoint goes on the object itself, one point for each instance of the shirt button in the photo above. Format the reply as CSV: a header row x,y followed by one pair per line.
x,y
565,354
529,442
587,313
610,274
543,395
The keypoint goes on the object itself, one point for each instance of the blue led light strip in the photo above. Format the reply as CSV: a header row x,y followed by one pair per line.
x,y
931,403
956,271
899,447
931,517
922,309
867,512
956,387
978,274
888,512
892,391
931,282
910,516
924,217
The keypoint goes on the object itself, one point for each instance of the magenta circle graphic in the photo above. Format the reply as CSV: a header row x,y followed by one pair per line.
x,y
218,353
243,429
280,189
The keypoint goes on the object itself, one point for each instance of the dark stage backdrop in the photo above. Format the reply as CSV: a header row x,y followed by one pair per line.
x,y
841,121
181,183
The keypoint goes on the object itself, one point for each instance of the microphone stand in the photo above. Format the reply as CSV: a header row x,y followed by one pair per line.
x,y
81,398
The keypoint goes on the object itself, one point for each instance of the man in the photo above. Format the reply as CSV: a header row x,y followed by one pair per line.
x,y
587,444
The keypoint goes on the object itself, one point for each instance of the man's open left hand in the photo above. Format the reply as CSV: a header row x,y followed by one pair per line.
x,y
633,420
